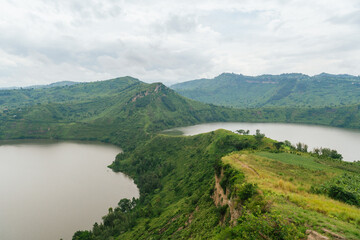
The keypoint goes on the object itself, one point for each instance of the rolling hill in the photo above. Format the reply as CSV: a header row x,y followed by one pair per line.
x,y
285,90
126,111
122,111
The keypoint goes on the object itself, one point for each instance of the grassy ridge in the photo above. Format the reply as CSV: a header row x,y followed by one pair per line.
x,y
270,192
176,180
288,183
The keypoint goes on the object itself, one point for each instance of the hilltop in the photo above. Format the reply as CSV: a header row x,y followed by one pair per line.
x,y
285,90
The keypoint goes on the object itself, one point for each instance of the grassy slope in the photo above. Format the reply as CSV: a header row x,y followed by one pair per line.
x,y
289,90
286,180
175,175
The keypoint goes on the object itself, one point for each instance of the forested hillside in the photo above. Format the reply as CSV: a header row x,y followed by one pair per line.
x,y
221,185
124,111
64,92
285,90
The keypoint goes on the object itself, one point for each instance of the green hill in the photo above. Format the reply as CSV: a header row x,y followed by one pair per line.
x,y
285,90
122,111
64,92
221,185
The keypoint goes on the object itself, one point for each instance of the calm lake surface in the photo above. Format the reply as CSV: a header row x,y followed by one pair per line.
x,y
345,141
50,190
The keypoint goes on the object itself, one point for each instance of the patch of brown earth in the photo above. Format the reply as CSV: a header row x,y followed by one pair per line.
x,y
333,235
220,199
312,235
244,165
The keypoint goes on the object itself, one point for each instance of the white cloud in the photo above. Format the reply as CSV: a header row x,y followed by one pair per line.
x,y
171,41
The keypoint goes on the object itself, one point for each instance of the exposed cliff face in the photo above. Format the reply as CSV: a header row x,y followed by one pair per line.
x,y
221,199
152,89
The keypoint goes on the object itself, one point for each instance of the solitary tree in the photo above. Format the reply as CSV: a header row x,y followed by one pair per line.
x,y
240,131
259,136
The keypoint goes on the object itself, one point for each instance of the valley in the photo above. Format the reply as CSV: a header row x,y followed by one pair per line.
x,y
176,174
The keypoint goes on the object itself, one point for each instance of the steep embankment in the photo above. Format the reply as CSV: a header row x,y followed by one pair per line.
x,y
222,185
285,90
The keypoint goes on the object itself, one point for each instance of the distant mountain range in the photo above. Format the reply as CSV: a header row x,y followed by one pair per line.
x,y
285,90
56,84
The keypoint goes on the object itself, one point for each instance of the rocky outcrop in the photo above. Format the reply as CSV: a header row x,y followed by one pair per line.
x,y
221,199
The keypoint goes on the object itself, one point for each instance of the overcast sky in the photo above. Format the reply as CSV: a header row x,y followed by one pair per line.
x,y
173,41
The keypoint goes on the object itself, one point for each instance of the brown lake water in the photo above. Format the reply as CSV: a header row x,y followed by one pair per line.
x,y
345,141
50,190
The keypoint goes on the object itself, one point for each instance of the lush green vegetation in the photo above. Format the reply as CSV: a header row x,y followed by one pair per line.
x,y
344,188
121,111
345,117
218,185
285,90
260,192
291,180
125,111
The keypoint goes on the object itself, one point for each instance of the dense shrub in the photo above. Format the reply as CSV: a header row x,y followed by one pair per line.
x,y
259,226
82,235
344,188
247,191
339,193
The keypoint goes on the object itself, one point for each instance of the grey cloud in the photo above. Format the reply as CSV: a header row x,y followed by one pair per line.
x,y
154,60
176,24
350,18
172,41
181,24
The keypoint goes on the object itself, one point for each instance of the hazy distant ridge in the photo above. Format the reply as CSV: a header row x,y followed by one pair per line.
x,y
51,85
290,90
